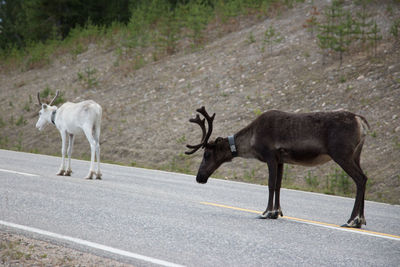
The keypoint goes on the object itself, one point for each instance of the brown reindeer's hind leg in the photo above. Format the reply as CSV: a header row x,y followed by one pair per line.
x,y
277,207
351,165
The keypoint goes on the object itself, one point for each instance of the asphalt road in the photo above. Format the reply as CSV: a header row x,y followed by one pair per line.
x,y
148,217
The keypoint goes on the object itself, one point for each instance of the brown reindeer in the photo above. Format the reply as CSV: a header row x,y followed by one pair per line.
x,y
277,137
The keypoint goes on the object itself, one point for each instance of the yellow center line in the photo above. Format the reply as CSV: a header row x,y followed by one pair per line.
x,y
395,237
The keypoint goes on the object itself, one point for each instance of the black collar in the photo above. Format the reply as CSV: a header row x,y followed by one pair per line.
x,y
53,116
232,146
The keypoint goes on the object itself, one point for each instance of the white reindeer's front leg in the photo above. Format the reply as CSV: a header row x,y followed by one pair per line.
x,y
70,146
61,171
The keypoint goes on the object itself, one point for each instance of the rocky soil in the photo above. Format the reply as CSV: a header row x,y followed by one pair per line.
x,y
146,110
19,250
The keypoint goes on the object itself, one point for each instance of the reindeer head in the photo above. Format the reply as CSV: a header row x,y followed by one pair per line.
x,y
45,112
215,152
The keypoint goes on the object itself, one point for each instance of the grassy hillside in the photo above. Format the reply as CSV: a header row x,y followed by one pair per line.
x,y
242,65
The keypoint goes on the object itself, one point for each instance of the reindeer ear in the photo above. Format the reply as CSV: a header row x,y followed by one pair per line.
x,y
219,139
44,106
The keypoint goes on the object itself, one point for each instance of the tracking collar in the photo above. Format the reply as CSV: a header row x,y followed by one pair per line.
x,y
232,145
53,116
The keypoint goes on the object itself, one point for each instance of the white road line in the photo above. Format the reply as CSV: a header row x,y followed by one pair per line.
x,y
22,173
91,244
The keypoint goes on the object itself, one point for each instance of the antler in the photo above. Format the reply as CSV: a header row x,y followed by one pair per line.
x,y
210,120
201,123
52,101
38,97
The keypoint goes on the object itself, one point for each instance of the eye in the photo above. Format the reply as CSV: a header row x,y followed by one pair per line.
x,y
207,154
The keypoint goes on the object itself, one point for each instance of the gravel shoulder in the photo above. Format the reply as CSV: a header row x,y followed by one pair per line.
x,y
19,250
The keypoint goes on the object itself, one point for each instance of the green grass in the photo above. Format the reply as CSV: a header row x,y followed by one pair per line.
x,y
154,26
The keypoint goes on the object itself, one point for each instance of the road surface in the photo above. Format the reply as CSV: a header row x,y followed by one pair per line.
x,y
150,218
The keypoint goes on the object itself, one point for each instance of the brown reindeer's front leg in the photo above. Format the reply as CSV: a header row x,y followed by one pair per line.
x,y
277,206
273,170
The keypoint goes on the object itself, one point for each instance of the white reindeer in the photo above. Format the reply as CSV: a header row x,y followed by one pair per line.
x,y
71,119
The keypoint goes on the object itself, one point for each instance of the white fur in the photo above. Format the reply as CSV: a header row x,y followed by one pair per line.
x,y
72,119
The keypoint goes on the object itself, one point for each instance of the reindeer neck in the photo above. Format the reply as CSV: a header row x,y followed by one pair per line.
x,y
242,142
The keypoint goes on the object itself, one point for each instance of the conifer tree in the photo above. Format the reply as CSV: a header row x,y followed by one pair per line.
x,y
362,23
374,36
270,37
331,34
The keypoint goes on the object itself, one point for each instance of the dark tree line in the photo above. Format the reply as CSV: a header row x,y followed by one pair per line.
x,y
24,21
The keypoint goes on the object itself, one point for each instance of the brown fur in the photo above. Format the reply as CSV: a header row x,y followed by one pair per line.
x,y
308,139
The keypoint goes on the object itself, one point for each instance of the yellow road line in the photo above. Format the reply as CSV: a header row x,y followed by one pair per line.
x,y
329,225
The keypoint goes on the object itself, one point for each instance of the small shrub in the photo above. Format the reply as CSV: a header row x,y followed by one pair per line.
x,y
4,142
45,92
88,78
312,23
257,112
312,180
27,107
251,39
2,122
20,121
181,140
271,37
394,28
374,36
249,175
338,182
38,54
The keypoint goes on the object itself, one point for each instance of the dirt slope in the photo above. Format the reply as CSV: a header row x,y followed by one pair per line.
x,y
146,111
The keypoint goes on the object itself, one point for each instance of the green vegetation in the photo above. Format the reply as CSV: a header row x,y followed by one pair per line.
x,y
341,30
88,78
257,112
339,183
312,180
394,29
179,163
21,121
312,23
35,31
2,122
271,36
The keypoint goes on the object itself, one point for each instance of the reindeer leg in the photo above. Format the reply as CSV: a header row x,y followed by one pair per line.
x,y
89,136
272,169
61,171
70,145
97,139
277,207
354,171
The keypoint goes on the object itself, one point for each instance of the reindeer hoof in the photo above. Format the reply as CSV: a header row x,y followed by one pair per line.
x,y
61,173
278,213
90,176
351,225
68,173
355,223
268,215
98,176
